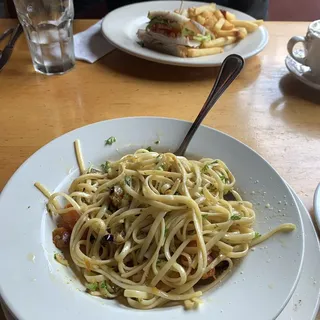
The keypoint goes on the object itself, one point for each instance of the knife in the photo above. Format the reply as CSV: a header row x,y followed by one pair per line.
x,y
7,51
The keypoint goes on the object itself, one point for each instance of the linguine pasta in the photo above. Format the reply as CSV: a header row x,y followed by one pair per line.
x,y
155,228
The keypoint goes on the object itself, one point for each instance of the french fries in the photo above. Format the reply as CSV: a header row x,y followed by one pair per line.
x,y
219,25
199,10
227,25
201,20
219,42
258,22
250,26
242,33
228,33
210,23
207,14
230,16
223,25
193,53
218,14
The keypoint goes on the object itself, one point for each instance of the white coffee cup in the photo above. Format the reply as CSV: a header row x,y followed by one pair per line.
x,y
311,43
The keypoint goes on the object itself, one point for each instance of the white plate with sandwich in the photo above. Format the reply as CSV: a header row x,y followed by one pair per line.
x,y
194,35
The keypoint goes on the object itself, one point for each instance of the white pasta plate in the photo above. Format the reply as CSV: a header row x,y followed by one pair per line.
x,y
121,25
35,287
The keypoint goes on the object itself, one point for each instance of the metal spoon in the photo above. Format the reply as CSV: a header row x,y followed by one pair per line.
x,y
230,69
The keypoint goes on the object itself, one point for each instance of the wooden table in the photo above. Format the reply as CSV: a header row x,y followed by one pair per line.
x,y
266,108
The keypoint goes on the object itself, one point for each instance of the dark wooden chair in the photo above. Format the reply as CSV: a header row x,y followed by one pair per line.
x,y
95,11
10,10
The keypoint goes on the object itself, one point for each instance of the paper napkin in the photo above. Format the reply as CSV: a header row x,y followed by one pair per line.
x,y
90,45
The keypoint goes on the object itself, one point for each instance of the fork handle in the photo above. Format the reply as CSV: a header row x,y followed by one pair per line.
x,y
230,69
15,35
6,33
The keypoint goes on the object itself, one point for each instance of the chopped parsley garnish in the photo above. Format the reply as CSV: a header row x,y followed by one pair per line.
x,y
161,168
222,177
92,286
235,217
205,216
126,197
149,149
110,141
257,235
105,166
205,168
103,285
157,142
165,232
128,180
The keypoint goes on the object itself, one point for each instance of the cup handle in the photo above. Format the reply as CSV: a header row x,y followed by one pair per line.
x,y
292,42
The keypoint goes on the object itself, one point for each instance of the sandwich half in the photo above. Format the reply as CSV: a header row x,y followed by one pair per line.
x,y
172,33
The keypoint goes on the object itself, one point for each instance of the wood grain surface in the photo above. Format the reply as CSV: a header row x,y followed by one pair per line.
x,y
266,107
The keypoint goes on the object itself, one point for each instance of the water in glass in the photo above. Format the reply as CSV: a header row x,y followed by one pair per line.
x,y
48,28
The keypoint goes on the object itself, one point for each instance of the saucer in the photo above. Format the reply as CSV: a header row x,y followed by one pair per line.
x,y
302,72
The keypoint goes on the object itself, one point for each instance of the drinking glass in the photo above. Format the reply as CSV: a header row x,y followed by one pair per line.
x,y
48,28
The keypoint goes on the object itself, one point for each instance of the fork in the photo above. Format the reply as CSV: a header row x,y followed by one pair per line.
x,y
5,54
230,69
6,33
